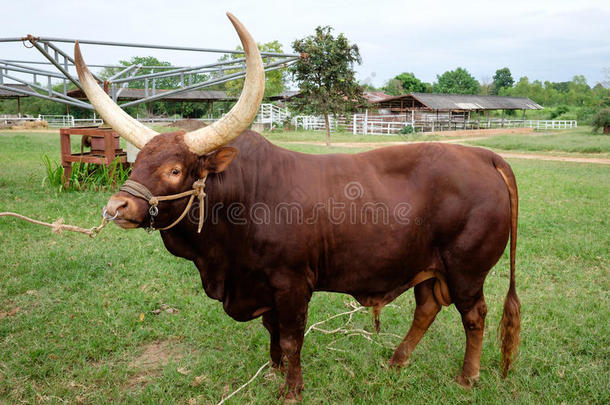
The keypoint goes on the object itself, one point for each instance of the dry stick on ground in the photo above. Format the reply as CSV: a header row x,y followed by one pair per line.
x,y
348,332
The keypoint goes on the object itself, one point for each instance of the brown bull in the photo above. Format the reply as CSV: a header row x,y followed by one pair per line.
x,y
280,225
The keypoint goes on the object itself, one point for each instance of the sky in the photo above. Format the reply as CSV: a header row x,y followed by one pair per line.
x,y
541,39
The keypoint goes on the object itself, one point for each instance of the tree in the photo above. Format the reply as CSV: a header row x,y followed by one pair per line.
x,y
457,81
274,80
325,75
406,83
601,120
393,87
502,79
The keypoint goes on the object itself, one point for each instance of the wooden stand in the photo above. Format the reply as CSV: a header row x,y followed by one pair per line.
x,y
105,156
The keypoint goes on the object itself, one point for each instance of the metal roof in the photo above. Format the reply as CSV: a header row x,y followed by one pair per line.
x,y
375,96
450,102
13,94
286,95
191,95
370,96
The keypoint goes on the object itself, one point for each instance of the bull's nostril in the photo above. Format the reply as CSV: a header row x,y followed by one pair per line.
x,y
115,205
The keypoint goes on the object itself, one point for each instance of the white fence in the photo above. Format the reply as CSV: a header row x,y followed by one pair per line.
x,y
10,119
272,115
551,124
315,123
393,124
54,121
63,121
268,114
358,123
58,121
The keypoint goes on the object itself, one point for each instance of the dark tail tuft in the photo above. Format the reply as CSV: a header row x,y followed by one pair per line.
x,y
510,325
510,328
376,313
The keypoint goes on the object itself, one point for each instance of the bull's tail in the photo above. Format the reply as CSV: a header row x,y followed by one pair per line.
x,y
510,325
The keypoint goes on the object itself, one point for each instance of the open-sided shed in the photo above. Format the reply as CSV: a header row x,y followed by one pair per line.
x,y
14,91
422,106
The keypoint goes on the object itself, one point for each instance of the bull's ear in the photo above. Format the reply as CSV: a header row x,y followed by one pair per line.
x,y
218,160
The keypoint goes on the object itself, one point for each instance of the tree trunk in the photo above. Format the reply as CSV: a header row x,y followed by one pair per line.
x,y
327,129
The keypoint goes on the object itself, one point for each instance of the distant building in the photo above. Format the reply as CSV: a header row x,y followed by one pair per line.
x,y
430,106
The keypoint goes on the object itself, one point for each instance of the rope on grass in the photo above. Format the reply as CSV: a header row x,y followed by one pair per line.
x,y
355,309
245,384
58,226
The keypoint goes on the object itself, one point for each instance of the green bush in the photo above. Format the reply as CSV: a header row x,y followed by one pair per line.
x,y
559,110
601,120
567,116
55,173
585,114
407,129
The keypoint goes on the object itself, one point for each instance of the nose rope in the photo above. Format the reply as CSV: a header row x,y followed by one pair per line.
x,y
140,191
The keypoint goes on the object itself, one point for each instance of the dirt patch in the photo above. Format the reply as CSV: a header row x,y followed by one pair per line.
x,y
151,361
484,132
188,125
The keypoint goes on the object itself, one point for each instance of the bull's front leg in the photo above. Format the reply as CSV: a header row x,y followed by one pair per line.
x,y
291,306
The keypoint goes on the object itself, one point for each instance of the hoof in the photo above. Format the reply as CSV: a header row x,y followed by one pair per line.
x,y
398,361
278,368
467,382
292,400
396,366
290,395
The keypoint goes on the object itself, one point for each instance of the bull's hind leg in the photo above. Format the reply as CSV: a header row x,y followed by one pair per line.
x,y
425,311
291,304
270,322
473,312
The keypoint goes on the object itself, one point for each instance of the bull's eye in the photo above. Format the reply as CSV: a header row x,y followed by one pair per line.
x,y
175,172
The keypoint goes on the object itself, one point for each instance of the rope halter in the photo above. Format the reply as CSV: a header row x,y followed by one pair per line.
x,y
140,191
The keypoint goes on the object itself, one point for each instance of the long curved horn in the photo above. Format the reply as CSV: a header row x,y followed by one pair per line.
x,y
237,120
129,128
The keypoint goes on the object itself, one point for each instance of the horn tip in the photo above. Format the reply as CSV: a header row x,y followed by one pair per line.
x,y
77,52
78,57
232,18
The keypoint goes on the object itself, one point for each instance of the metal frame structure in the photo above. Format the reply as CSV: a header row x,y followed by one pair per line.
x,y
218,71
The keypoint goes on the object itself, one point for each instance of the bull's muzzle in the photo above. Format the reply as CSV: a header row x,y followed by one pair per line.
x,y
120,208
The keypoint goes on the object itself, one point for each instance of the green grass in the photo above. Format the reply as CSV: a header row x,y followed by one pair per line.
x,y
72,329
579,140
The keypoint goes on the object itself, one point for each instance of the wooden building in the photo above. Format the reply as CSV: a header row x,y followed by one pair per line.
x,y
438,107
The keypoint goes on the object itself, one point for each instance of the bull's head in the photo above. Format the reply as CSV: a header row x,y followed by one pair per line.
x,y
171,163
